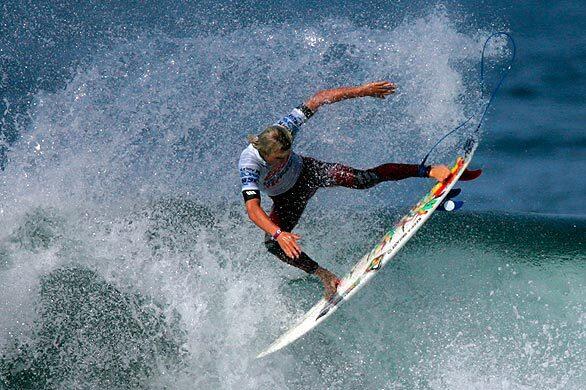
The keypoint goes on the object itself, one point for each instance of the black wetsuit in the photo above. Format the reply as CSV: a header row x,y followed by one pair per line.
x,y
288,207
292,184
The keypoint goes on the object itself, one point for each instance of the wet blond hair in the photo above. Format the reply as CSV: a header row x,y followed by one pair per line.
x,y
273,139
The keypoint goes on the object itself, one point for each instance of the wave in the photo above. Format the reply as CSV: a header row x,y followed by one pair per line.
x,y
176,293
124,262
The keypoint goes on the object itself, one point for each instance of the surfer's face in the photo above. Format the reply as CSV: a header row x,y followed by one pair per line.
x,y
278,158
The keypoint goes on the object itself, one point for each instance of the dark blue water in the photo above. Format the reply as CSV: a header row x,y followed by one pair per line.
x,y
126,259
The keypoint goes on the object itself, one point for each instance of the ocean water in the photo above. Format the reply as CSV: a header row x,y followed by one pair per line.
x,y
127,260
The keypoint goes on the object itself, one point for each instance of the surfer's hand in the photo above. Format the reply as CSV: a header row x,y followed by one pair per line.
x,y
439,172
378,89
288,243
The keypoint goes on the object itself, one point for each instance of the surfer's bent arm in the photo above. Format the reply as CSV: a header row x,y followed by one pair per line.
x,y
287,240
378,89
259,216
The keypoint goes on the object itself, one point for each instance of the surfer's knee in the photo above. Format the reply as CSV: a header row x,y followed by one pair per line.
x,y
303,262
354,178
365,179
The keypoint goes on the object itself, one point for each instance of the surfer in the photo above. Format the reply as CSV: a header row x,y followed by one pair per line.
x,y
268,164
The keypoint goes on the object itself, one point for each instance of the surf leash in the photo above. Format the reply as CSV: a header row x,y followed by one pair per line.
x,y
504,74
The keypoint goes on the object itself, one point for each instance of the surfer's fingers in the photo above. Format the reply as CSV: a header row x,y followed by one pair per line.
x,y
291,238
296,248
386,85
290,247
294,253
290,252
379,88
382,92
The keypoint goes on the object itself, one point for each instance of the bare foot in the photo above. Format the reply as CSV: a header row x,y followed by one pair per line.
x,y
329,280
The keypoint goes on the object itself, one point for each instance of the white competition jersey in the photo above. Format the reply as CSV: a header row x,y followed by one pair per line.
x,y
257,174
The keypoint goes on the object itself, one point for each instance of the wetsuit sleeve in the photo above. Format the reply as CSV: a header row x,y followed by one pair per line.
x,y
295,119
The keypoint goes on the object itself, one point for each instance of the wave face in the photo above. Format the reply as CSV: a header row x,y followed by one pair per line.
x,y
168,296
126,258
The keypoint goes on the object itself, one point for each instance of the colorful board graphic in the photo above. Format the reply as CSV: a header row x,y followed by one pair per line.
x,y
376,259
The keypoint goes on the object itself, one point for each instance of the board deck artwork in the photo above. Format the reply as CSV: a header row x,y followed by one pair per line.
x,y
382,253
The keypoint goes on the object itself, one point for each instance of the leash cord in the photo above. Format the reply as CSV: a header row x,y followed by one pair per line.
x,y
504,74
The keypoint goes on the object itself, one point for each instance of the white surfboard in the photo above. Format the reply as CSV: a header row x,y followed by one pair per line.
x,y
382,253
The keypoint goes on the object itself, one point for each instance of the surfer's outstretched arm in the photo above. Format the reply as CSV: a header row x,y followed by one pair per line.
x,y
378,89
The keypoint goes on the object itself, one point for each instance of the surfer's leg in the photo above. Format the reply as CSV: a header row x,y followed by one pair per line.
x,y
285,213
303,262
286,218
345,176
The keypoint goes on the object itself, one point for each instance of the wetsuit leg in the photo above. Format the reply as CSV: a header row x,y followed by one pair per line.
x,y
303,262
286,211
288,207
341,175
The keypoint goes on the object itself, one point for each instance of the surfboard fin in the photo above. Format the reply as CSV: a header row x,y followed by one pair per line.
x,y
470,174
450,205
453,193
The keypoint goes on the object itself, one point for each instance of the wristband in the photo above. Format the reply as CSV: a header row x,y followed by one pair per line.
x,y
423,170
277,234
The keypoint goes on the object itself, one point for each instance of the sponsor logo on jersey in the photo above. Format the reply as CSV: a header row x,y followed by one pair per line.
x,y
249,175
